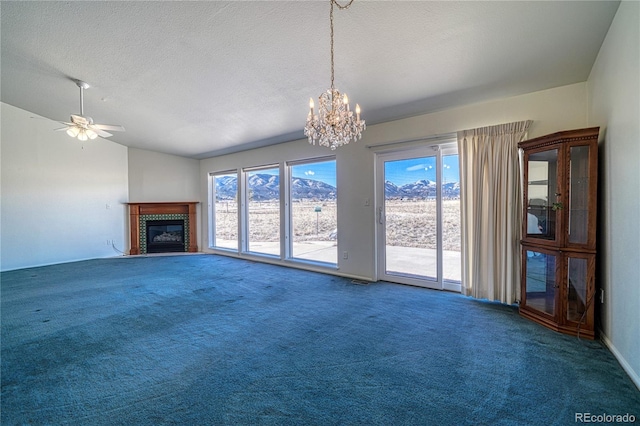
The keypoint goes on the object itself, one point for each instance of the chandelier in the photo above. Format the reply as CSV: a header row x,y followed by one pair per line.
x,y
335,124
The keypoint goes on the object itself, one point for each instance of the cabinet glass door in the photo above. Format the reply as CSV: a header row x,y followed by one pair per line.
x,y
540,281
579,298
578,194
542,195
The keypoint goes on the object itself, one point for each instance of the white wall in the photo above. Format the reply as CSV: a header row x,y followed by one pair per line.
x,y
62,199
154,176
614,105
552,110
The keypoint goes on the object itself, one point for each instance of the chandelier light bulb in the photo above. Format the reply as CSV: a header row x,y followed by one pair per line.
x,y
311,105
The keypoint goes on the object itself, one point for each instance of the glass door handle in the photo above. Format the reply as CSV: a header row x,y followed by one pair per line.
x,y
380,215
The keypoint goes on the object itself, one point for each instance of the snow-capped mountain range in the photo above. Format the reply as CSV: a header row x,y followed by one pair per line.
x,y
420,189
265,187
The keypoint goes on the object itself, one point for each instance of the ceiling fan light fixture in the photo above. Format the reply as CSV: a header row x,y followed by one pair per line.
x,y
91,134
82,127
73,131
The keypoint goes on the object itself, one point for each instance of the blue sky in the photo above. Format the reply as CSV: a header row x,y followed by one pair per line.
x,y
324,172
401,172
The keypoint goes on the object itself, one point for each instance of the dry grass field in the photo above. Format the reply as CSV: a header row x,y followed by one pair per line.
x,y
264,221
413,224
409,223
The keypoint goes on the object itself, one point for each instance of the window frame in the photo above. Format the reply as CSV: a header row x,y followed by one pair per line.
x,y
244,210
289,226
212,219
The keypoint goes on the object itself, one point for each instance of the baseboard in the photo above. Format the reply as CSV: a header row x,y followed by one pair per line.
x,y
61,262
304,265
635,378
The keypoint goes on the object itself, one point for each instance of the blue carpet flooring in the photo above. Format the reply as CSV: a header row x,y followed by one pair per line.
x,y
203,339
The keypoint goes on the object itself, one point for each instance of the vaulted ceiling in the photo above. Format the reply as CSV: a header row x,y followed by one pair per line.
x,y
199,79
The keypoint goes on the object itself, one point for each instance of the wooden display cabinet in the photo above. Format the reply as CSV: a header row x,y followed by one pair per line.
x,y
559,231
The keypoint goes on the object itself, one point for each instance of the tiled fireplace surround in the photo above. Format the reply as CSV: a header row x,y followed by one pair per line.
x,y
139,213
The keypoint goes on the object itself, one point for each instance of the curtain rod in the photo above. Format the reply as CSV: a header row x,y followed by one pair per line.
x,y
453,136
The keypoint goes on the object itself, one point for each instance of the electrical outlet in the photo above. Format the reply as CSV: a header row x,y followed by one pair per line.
x,y
345,255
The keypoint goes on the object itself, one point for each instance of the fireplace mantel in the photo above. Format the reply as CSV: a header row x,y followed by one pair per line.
x,y
179,207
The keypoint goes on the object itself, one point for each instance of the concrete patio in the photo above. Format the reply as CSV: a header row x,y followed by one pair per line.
x,y
400,260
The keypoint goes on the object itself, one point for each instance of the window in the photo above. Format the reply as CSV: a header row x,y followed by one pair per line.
x,y
313,215
286,210
262,210
225,208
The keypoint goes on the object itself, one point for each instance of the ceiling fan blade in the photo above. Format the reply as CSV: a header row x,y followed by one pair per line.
x,y
99,132
60,129
112,127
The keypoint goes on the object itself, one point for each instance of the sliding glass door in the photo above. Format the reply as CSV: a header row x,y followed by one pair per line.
x,y
418,215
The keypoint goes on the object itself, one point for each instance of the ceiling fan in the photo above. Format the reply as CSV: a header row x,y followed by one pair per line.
x,y
83,127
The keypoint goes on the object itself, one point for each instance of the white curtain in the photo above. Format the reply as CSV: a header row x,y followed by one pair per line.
x,y
491,211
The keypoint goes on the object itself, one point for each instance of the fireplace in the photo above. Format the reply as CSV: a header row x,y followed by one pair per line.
x,y
164,236
163,227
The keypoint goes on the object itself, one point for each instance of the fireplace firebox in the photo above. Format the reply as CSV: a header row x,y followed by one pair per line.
x,y
164,236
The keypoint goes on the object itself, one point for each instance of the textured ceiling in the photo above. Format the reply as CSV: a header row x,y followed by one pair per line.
x,y
198,79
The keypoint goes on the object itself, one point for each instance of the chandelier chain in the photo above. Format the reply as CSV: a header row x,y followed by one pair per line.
x,y
331,32
341,7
